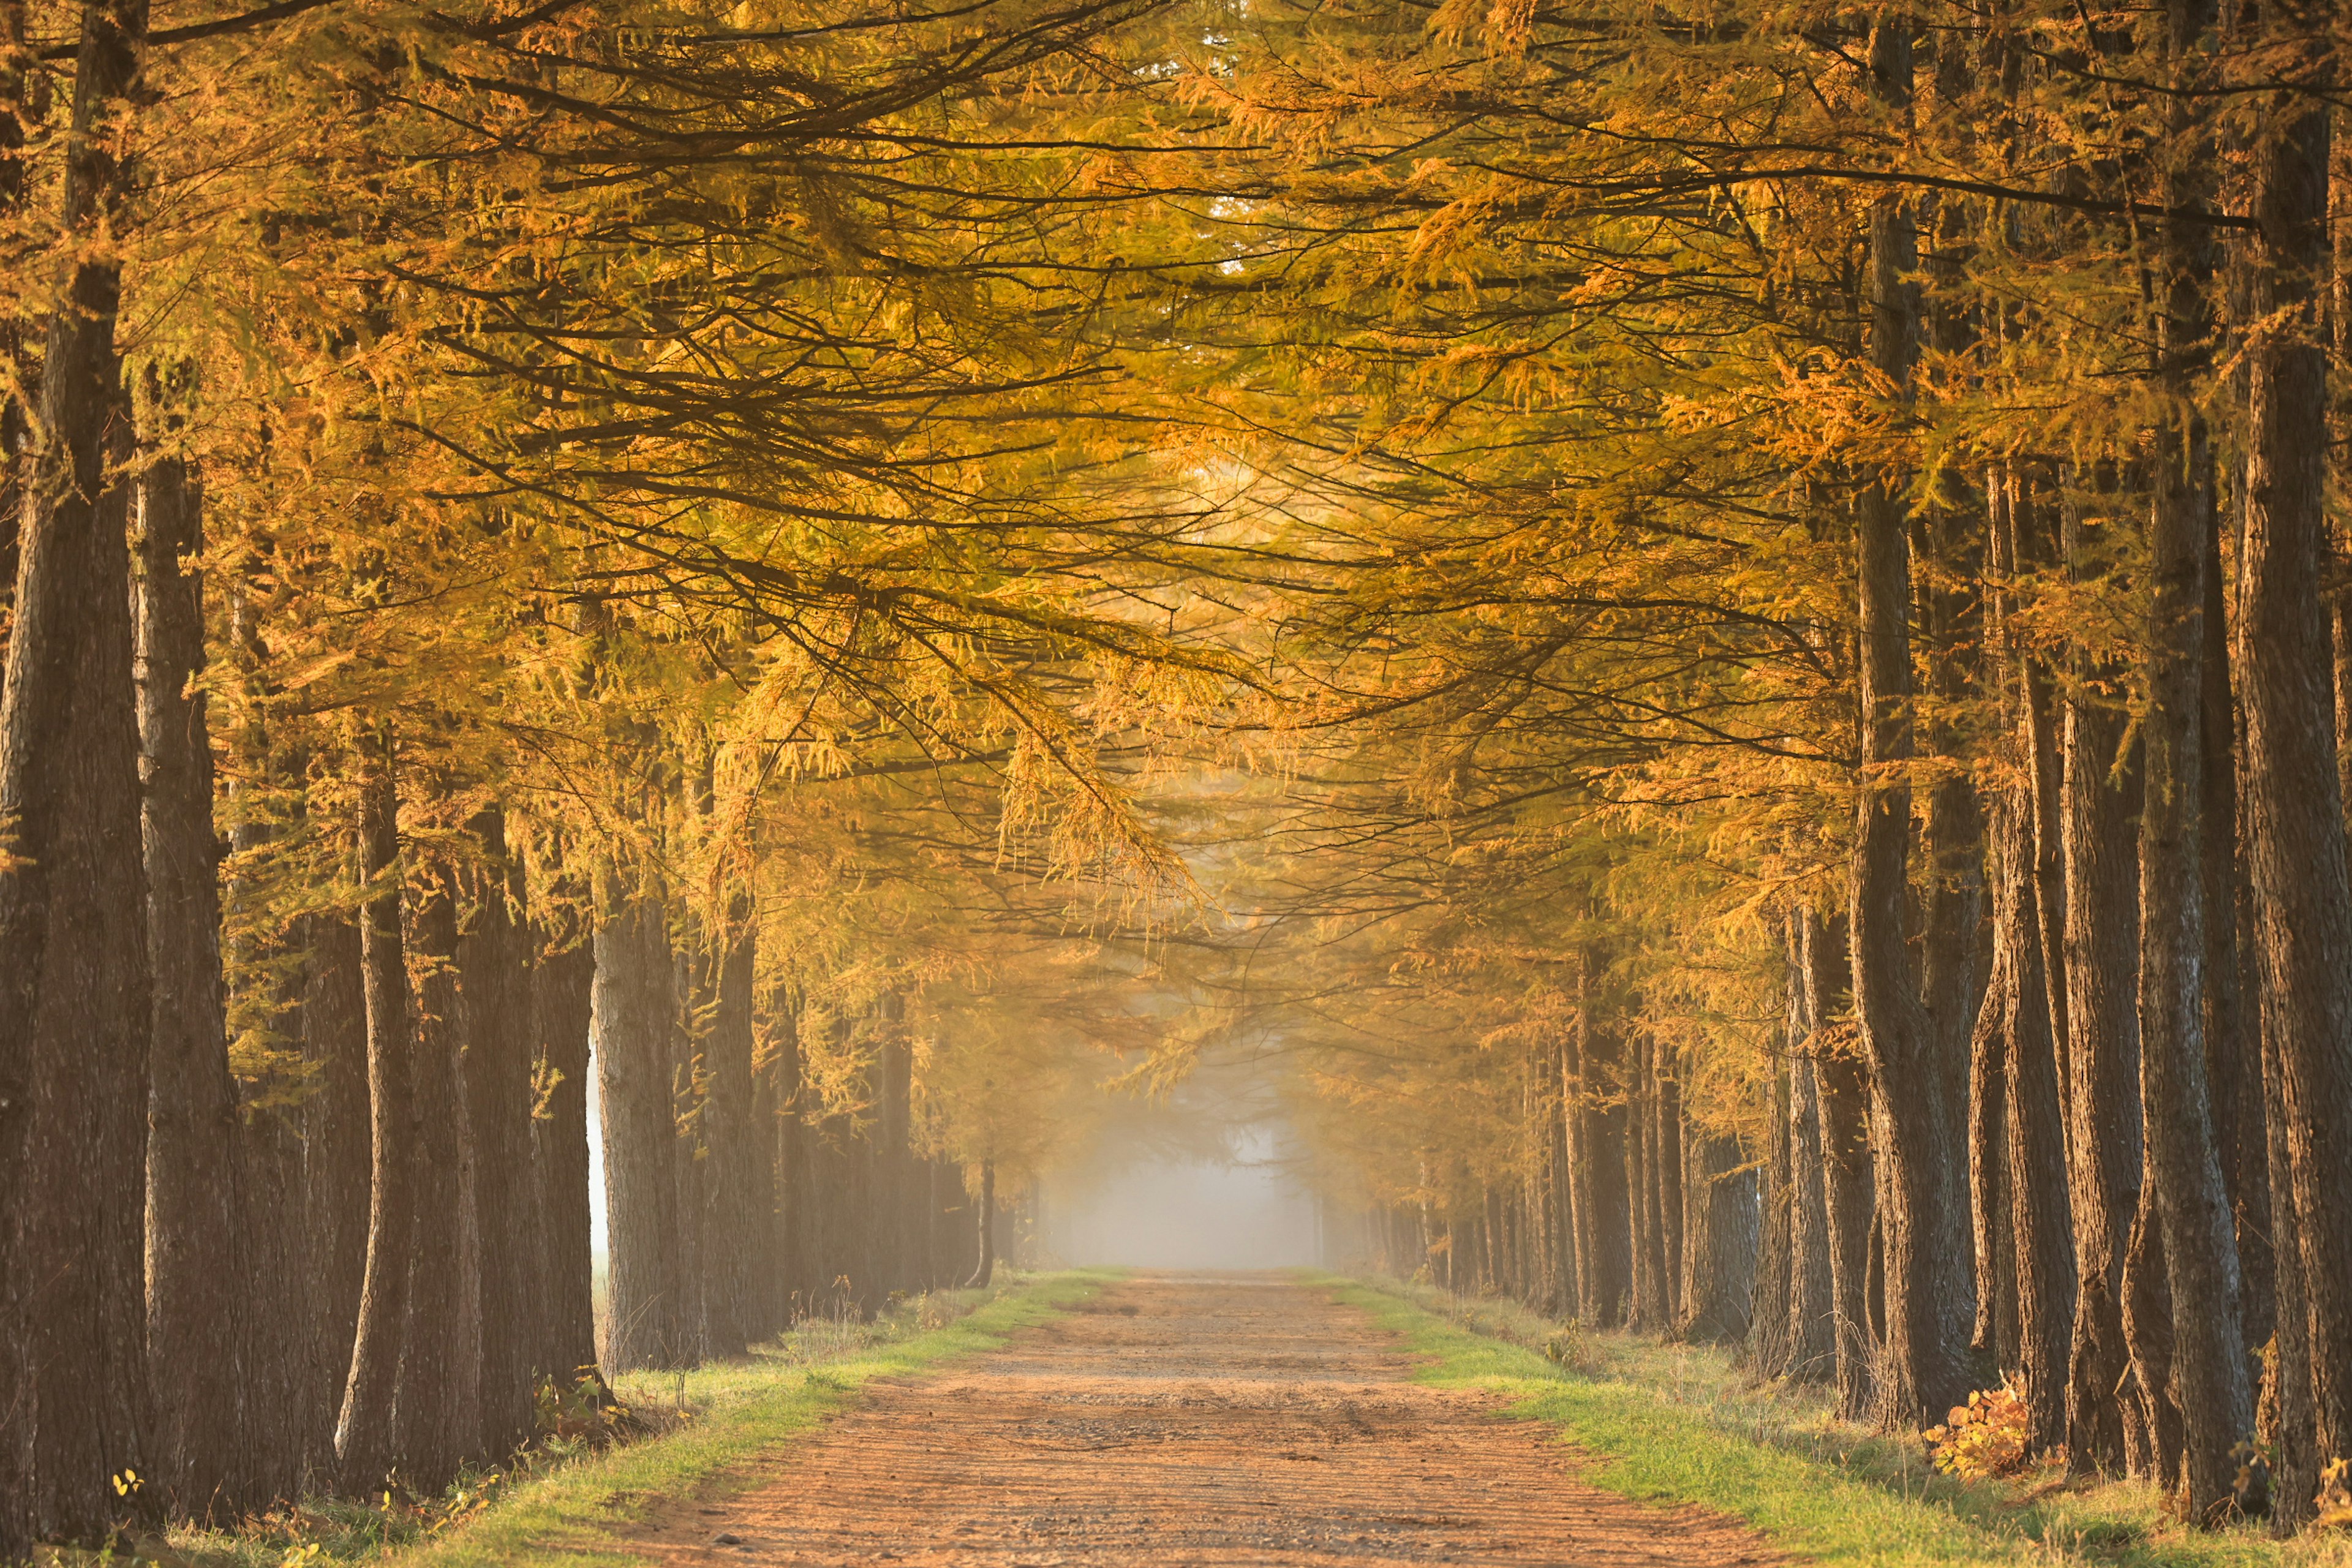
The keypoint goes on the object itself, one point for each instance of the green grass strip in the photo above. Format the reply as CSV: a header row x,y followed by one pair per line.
x,y
1681,1424
741,1412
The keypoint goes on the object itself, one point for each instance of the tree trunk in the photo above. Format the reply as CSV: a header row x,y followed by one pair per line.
x,y
737,1215
197,1280
1559,1185
563,991
693,994
336,1172
2152,1445
75,990
440,1399
2233,1067
632,1024
796,1259
894,1070
367,1444
2100,789
494,969
1607,1243
2289,1424
986,1272
1719,1240
2039,1267
2302,900
1995,1334
1768,1347
1812,1324
1922,1185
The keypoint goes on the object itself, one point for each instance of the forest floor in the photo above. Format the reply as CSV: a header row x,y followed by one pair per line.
x,y
1194,1420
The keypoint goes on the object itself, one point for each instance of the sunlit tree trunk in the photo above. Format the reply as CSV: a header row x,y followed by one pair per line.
x,y
75,985
2100,801
333,1026
2297,839
440,1398
494,970
1922,1170
197,1280
367,1444
985,1273
633,1012
562,992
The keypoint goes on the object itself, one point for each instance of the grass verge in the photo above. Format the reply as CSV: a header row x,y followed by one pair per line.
x,y
1675,1424
712,1421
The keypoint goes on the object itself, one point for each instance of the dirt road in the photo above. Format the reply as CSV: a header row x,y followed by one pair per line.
x,y
1182,1420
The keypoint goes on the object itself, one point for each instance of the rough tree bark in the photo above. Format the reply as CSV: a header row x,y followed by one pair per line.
x,y
1922,1173
198,1282
2297,841
2100,788
982,1276
2211,1383
2033,1214
1606,1239
633,1010
563,989
1719,1239
1812,1320
75,988
1768,1346
440,1400
737,1217
494,973
336,1157
368,1443
693,993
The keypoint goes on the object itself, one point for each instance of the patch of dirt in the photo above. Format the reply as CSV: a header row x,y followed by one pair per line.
x,y
1209,1419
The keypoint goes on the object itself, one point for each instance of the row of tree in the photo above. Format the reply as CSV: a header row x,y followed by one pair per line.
x,y
502,557
1828,519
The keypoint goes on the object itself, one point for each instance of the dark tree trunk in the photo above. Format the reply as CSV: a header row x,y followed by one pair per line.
x,y
336,1176
1558,1185
2033,1317
1988,1196
1719,1240
1669,1146
2297,841
2212,1385
2101,788
1813,1324
1922,1166
1768,1346
197,1277
501,1044
2151,1414
563,990
1647,1313
894,1070
2288,1424
1607,1243
367,1444
764,1245
634,1021
796,1257
1840,1093
2233,1067
738,1217
440,1398
75,989
986,1272
693,994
